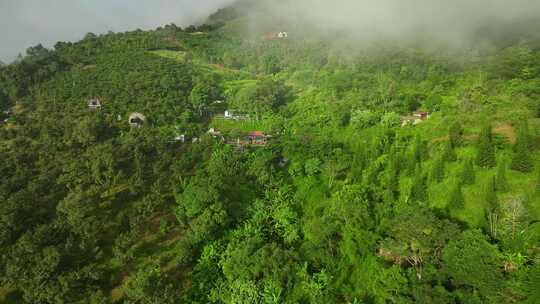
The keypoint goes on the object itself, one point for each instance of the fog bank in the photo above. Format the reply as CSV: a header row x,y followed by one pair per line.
x,y
455,21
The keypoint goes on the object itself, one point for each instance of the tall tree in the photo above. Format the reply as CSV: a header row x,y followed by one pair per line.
x,y
419,192
538,182
419,149
204,93
485,156
392,174
468,176
456,134
3,100
521,160
533,284
490,194
456,199
472,261
501,182
411,164
514,220
449,154
437,170
493,209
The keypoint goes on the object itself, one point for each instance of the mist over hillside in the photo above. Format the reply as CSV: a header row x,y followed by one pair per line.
x,y
458,23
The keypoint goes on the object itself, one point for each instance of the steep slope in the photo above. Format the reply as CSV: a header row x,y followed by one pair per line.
x,y
386,173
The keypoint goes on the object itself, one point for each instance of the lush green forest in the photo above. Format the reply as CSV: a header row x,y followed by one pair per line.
x,y
387,174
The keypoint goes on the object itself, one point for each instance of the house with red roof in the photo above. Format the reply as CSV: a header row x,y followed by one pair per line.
x,y
257,138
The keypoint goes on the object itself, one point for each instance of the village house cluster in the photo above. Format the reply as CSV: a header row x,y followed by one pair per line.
x,y
253,138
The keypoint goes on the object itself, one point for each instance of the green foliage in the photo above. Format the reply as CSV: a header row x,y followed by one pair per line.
x,y
490,195
150,285
533,284
501,181
472,262
390,120
485,156
456,134
261,98
537,186
456,201
336,207
419,192
361,119
4,100
449,154
433,102
438,170
202,96
312,166
468,175
516,62
413,236
521,160
419,149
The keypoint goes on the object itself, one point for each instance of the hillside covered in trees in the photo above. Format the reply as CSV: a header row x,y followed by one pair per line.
x,y
213,165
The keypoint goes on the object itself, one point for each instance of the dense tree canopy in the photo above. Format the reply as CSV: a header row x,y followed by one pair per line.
x,y
343,175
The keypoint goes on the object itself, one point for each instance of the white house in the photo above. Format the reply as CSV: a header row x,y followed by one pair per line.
x,y
283,35
94,104
180,138
234,116
136,120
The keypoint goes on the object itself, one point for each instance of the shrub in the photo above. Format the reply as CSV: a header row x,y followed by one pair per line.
x,y
361,119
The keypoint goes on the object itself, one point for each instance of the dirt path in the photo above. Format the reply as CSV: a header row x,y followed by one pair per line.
x,y
506,130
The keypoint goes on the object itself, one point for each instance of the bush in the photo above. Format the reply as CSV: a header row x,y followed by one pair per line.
x,y
361,119
390,120
312,166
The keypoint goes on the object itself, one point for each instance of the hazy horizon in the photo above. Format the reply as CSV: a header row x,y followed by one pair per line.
x,y
26,23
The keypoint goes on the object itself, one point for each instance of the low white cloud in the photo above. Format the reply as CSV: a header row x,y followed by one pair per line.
x,y
455,21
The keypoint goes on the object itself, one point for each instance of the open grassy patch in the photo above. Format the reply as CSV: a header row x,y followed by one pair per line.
x,y
174,55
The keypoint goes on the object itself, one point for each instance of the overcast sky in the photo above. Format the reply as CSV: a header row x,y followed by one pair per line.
x,y
25,23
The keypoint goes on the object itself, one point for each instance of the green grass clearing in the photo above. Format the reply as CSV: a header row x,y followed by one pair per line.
x,y
174,55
